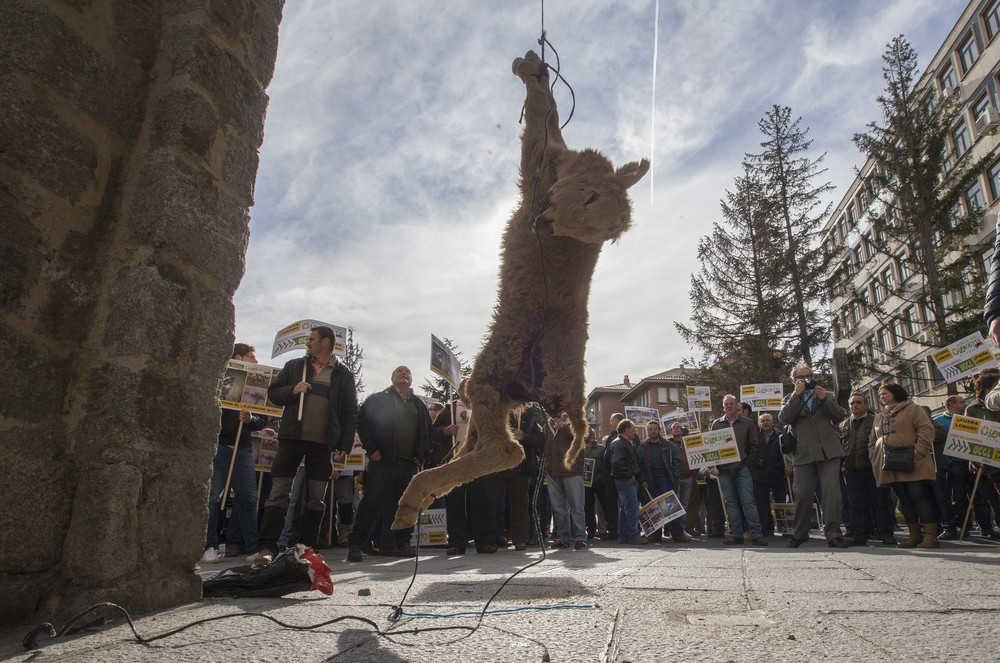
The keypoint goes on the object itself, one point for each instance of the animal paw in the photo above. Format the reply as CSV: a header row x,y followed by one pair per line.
x,y
406,516
528,66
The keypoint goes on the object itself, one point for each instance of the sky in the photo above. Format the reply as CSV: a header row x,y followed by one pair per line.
x,y
389,164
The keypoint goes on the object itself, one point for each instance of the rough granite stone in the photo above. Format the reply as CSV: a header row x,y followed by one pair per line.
x,y
185,120
146,313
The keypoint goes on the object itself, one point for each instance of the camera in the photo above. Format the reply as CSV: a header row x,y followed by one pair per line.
x,y
810,383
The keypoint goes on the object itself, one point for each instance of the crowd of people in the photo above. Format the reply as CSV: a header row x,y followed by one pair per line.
x,y
856,466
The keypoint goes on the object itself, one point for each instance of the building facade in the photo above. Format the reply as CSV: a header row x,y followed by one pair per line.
x,y
965,67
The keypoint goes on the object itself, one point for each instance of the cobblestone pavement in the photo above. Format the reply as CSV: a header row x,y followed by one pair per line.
x,y
690,602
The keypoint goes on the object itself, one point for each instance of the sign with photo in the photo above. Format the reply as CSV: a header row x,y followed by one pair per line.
x,y
699,399
244,387
660,511
784,518
588,471
265,448
687,419
445,363
713,447
763,397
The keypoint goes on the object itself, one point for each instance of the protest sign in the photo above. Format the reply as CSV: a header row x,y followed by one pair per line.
x,y
977,440
244,387
965,357
588,471
714,447
640,416
762,397
294,337
784,517
687,419
432,528
699,399
660,511
265,447
445,363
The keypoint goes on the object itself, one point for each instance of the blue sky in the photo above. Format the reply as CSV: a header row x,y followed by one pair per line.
x,y
389,163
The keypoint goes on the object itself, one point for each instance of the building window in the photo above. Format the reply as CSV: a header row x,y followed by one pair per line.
x,y
877,293
948,79
856,313
961,137
673,394
897,332
974,198
661,395
887,278
968,53
852,213
980,107
911,324
903,267
856,256
991,17
994,176
862,200
883,340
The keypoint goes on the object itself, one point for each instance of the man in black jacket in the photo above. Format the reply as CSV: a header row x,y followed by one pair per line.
x,y
324,433
395,428
769,476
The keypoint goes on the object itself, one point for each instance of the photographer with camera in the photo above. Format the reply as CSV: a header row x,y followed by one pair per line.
x,y
813,415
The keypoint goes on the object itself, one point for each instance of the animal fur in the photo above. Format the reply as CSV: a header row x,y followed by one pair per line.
x,y
536,345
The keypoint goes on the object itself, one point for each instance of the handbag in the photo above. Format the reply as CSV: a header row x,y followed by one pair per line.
x,y
788,442
897,459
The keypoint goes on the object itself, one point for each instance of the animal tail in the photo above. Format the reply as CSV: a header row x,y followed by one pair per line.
x,y
580,429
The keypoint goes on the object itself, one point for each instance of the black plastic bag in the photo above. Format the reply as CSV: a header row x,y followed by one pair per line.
x,y
297,569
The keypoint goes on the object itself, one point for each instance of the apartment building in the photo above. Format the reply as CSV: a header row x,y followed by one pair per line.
x,y
966,67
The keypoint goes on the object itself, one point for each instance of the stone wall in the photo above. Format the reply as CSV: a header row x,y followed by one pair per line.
x,y
129,132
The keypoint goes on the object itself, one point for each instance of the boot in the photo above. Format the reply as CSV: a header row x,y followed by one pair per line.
x,y
916,536
930,536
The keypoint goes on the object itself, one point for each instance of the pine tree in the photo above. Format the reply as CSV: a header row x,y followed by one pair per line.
x,y
788,176
738,311
354,362
918,184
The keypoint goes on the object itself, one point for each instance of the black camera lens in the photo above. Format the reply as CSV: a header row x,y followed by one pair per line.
x,y
810,384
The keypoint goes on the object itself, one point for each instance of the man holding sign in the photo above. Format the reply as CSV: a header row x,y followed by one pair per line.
x,y
735,477
324,433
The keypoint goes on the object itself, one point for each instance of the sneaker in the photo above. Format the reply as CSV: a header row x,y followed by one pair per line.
x,y
262,557
579,544
559,543
211,556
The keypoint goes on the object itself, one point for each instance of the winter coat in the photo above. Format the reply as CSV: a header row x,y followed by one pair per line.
x,y
855,442
899,425
558,444
772,463
622,460
343,403
816,432
747,440
671,460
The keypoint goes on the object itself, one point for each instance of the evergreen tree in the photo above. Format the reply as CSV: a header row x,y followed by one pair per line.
x,y
354,362
918,185
796,206
440,389
738,308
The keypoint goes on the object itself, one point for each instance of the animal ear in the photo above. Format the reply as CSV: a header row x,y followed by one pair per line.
x,y
631,173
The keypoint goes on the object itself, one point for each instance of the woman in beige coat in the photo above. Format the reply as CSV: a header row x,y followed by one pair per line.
x,y
904,424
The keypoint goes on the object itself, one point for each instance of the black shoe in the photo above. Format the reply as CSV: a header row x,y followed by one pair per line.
x,y
733,541
855,541
406,551
355,554
760,541
489,549
949,534
455,550
368,549
387,552
889,540
716,535
795,543
838,542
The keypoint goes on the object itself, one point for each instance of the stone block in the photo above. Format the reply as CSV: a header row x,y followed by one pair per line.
x,y
239,169
173,513
136,29
185,120
41,144
102,541
20,265
233,89
110,421
35,380
178,208
215,335
37,43
38,485
147,312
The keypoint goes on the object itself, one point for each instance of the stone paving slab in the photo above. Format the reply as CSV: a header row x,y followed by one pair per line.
x,y
699,602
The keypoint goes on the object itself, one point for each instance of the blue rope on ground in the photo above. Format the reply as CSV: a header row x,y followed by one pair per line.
x,y
500,611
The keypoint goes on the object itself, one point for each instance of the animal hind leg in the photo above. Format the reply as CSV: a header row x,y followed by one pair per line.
x,y
495,450
578,424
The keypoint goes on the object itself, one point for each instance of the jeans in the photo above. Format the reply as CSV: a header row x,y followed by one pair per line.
x,y
244,485
868,506
737,488
942,498
566,496
628,510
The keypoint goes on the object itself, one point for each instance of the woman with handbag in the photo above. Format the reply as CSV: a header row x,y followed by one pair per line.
x,y
900,449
